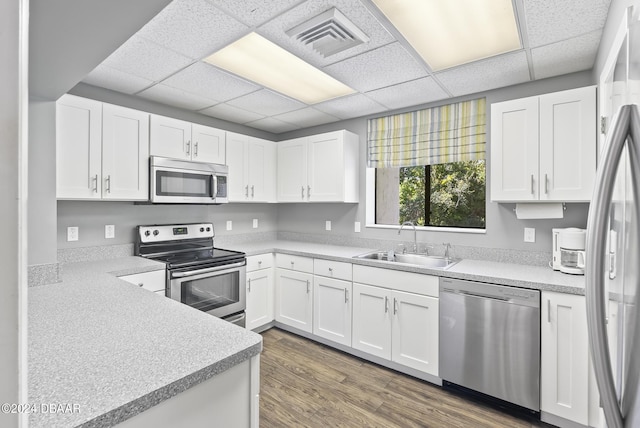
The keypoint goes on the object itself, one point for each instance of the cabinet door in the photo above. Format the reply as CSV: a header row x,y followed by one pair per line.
x,y
372,320
514,150
125,153
564,371
237,146
170,138
294,299
292,170
326,168
208,144
568,145
78,148
261,170
259,298
332,309
415,331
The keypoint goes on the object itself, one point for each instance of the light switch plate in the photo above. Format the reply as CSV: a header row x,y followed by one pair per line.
x,y
529,234
72,233
356,227
109,231
255,223
327,225
229,225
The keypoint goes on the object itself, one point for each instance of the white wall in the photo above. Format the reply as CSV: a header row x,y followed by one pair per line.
x,y
13,149
503,229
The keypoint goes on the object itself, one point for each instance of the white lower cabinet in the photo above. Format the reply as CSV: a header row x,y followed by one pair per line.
x,y
260,292
294,299
564,374
153,281
332,309
396,325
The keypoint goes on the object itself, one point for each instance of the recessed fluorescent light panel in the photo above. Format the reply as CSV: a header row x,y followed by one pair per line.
x,y
257,59
450,33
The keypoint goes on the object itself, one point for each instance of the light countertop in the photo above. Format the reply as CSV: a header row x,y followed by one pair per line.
x,y
115,350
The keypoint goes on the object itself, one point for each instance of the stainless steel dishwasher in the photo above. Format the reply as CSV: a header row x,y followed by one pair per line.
x,y
490,340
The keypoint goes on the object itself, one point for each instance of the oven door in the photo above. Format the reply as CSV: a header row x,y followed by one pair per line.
x,y
219,291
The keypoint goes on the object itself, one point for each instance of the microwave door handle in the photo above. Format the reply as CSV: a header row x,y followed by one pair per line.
x,y
214,187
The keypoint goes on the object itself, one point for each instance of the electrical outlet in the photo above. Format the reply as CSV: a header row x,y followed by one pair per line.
x,y
229,225
255,223
529,234
109,231
356,227
72,233
327,225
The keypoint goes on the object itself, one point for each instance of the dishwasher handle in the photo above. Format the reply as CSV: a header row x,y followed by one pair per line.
x,y
500,293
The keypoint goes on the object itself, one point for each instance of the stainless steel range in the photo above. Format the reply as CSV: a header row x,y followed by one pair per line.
x,y
198,274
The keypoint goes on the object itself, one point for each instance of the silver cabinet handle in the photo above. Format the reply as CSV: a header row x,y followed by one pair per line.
x,y
302,192
246,191
108,183
308,192
291,264
308,284
141,284
94,180
249,284
346,295
395,306
188,147
546,183
252,191
259,262
386,304
195,148
331,271
549,311
532,184
626,124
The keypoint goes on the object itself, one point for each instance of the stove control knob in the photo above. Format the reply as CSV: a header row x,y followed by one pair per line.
x,y
202,229
156,232
208,229
147,233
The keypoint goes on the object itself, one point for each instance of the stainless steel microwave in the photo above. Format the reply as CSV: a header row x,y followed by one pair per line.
x,y
174,181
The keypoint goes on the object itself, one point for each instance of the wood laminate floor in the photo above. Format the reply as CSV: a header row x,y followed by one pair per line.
x,y
306,384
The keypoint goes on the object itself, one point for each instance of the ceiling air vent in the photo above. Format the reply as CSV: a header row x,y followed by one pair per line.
x,y
329,33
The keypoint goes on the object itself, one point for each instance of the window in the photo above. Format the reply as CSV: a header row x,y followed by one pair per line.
x,y
441,195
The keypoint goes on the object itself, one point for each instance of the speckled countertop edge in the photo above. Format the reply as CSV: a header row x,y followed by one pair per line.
x,y
515,275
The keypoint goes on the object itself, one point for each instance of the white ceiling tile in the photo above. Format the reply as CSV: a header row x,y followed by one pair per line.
x,y
175,97
272,125
110,78
210,82
378,68
146,59
231,113
491,73
275,30
552,21
266,102
566,57
193,27
350,106
254,12
306,117
420,91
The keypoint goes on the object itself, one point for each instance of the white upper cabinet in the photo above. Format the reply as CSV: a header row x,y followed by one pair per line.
x,y
544,148
319,168
178,139
102,151
252,169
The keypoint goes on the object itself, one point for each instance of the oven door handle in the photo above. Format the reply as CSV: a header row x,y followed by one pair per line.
x,y
207,270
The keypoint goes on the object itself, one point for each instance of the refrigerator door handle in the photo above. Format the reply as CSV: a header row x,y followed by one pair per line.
x,y
626,124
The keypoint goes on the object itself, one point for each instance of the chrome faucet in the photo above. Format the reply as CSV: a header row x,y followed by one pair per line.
x,y
415,234
447,248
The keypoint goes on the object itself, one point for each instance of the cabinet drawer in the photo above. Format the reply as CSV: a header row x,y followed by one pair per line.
x,y
262,261
332,269
152,281
398,280
297,263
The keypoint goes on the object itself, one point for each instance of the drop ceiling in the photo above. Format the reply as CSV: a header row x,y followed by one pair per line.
x,y
163,62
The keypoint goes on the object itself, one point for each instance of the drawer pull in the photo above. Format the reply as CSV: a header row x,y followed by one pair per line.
x,y
346,295
386,304
141,284
395,306
308,285
249,284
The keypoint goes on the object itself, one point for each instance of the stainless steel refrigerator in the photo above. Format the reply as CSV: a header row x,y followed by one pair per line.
x,y
613,236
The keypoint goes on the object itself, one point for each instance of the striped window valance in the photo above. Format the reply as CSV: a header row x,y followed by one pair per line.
x,y
450,133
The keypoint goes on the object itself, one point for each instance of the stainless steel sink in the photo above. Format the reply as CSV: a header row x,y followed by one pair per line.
x,y
433,262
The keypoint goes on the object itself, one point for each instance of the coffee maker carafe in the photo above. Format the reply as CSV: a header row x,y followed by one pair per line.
x,y
568,250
